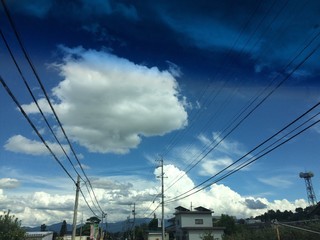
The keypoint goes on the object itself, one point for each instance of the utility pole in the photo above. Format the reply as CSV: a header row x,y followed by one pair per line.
x,y
75,209
134,219
162,199
101,227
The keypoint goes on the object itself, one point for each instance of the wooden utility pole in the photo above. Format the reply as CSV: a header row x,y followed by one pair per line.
x,y
134,220
75,211
162,200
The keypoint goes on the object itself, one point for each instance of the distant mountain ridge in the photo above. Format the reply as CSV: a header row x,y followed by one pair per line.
x,y
111,227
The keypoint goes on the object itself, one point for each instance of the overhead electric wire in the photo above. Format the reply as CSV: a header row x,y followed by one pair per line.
x,y
46,96
278,85
222,106
182,196
205,90
251,102
8,90
34,127
225,82
195,163
88,204
40,110
254,158
255,148
34,99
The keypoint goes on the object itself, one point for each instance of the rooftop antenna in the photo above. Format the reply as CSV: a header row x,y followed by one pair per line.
x,y
310,192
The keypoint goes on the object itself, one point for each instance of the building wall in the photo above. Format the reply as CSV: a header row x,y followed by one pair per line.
x,y
69,237
39,235
198,234
217,234
195,220
157,236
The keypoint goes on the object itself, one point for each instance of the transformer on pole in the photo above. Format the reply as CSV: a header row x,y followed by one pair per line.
x,y
310,192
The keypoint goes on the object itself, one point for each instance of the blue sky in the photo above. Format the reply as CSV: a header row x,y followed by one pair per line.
x,y
199,85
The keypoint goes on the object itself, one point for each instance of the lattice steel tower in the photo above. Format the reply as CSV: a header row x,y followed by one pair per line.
x,y
310,192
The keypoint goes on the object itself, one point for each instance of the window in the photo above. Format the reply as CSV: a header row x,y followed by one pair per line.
x,y
198,221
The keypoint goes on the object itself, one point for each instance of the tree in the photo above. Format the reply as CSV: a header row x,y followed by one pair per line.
x,y
229,223
93,220
10,227
84,230
63,229
140,231
153,224
207,236
43,227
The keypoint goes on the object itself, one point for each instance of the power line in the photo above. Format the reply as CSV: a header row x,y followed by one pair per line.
x,y
206,151
88,203
34,127
40,110
40,136
251,102
181,196
206,90
46,96
34,99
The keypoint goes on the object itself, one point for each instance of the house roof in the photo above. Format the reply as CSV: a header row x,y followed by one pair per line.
x,y
197,210
182,209
202,209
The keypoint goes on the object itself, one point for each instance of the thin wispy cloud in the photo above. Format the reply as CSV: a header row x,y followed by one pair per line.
x,y
277,181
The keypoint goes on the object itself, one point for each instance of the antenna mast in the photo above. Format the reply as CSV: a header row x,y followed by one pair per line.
x,y
310,192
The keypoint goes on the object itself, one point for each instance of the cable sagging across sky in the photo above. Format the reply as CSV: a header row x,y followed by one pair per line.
x,y
26,55
259,155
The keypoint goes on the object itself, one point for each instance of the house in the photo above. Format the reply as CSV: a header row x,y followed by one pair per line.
x,y
193,225
157,235
39,235
69,237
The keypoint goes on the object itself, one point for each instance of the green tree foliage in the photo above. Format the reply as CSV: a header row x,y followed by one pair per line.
x,y
270,233
140,231
93,220
266,230
43,227
153,224
63,229
85,229
207,236
299,214
228,222
252,234
10,227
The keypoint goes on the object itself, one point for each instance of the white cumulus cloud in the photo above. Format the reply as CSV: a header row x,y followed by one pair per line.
x,y
211,167
38,207
21,144
107,103
9,183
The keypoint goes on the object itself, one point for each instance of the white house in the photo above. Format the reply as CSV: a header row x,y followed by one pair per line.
x,y
39,235
194,225
69,237
157,236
